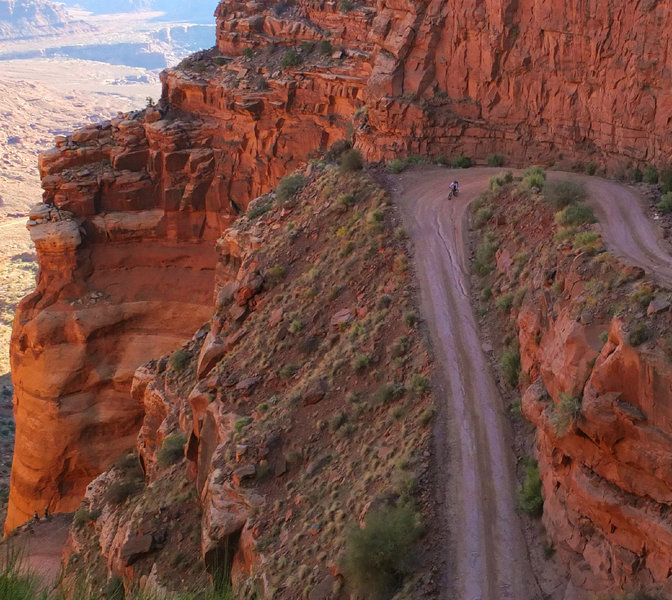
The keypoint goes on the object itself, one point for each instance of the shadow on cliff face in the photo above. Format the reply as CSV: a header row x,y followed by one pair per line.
x,y
6,440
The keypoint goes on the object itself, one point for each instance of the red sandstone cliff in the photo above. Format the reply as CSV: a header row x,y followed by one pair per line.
x,y
128,275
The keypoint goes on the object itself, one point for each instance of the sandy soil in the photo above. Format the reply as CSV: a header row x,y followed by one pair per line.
x,y
489,557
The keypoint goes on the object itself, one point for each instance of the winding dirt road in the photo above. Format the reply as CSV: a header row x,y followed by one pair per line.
x,y
474,441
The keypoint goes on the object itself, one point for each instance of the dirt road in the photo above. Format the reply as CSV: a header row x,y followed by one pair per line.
x,y
490,557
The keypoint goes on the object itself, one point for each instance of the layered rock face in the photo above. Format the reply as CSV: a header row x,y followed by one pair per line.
x,y
604,442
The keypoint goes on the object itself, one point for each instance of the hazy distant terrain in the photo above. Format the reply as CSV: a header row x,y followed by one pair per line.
x,y
194,11
34,18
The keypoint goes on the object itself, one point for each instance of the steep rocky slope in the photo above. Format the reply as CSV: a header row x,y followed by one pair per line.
x,y
302,402
592,340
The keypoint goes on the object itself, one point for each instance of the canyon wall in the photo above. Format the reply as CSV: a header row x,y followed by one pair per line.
x,y
127,264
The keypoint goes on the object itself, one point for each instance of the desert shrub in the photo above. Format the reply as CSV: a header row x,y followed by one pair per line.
x,y
361,362
16,583
482,217
560,194
179,360
336,149
172,449
587,240
534,177
576,214
81,517
378,557
289,370
485,255
591,168
346,6
639,334
495,160
665,204
665,180
388,392
643,294
396,166
500,180
120,491
650,175
410,318
274,274
351,161
509,364
248,53
326,48
504,302
461,162
290,58
114,589
400,346
289,186
418,384
529,498
636,175
260,207
565,413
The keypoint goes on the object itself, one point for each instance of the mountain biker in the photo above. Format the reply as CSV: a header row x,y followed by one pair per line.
x,y
454,187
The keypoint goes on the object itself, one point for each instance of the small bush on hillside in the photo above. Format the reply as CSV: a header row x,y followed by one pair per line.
x,y
120,491
346,6
639,334
665,204
565,413
482,217
587,241
530,500
248,53
379,556
636,175
396,166
289,186
500,180
418,384
650,174
326,48
114,589
643,294
485,256
577,214
351,161
495,160
560,194
172,450
591,168
505,302
179,360
461,162
336,149
534,178
290,58
665,180
509,364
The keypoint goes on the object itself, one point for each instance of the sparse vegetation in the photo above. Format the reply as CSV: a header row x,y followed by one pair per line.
x,y
530,500
351,161
565,413
534,178
461,162
171,450
179,360
485,255
665,204
378,556
289,187
495,160
509,364
560,194
291,58
396,166
639,334
576,214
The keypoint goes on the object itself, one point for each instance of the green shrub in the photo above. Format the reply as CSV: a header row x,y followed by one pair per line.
x,y
378,557
504,302
495,160
587,240
289,186
336,149
637,176
361,361
290,58
650,175
576,214
534,177
179,360
351,161
418,384
482,217
410,318
591,168
461,162
259,208
120,491
387,393
665,180
530,500
565,413
114,589
560,194
326,49
639,334
248,53
346,6
485,255
396,166
643,294
500,180
274,274
509,364
665,204
172,449
241,423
